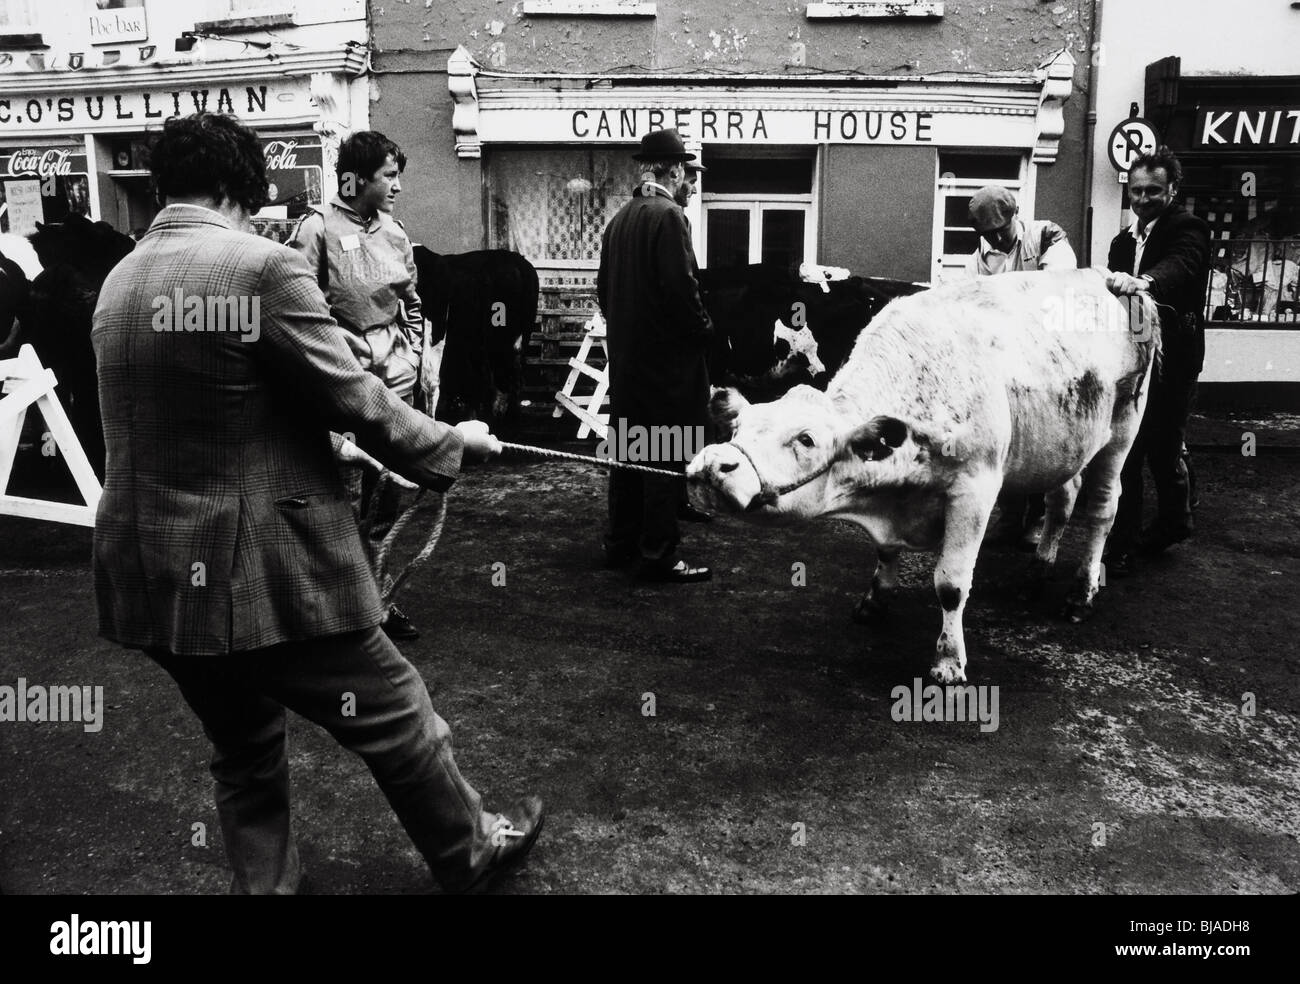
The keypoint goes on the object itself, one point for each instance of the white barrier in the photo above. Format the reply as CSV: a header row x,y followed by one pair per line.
x,y
25,382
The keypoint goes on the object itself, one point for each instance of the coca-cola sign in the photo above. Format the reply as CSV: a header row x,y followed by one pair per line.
x,y
40,163
281,155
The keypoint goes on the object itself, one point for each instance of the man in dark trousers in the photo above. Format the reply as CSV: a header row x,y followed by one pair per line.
x,y
224,545
658,332
1166,253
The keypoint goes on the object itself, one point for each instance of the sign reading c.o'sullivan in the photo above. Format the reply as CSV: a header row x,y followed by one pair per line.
x,y
260,103
756,126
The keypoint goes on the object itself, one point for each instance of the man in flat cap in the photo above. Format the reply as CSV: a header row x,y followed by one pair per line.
x,y
658,333
1007,244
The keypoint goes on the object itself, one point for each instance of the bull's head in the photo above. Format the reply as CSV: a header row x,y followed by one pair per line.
x,y
792,457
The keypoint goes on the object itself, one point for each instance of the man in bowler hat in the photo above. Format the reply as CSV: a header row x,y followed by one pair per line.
x,y
658,333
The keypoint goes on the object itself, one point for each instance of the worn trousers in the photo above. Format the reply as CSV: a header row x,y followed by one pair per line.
x,y
360,689
1159,446
643,514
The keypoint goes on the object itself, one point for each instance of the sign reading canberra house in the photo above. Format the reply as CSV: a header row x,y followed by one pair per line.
x,y
758,126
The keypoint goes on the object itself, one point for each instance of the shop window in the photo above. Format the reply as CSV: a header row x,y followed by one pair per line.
x,y
874,9
758,208
552,205
294,163
42,184
1253,208
960,176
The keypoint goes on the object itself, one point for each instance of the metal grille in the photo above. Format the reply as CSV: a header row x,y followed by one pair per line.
x,y
552,205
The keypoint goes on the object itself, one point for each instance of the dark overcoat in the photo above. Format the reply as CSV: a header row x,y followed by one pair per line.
x,y
1177,258
658,330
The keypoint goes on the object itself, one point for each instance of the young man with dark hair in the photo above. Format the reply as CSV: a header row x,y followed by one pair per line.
x,y
1166,253
224,546
365,266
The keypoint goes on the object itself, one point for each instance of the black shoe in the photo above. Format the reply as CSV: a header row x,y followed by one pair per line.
x,y
1118,564
513,835
398,627
689,514
1157,541
679,573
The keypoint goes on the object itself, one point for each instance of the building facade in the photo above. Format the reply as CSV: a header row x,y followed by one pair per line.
x,y
849,134
84,82
1223,92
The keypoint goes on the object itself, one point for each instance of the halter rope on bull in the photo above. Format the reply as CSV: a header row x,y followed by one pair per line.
x,y
767,495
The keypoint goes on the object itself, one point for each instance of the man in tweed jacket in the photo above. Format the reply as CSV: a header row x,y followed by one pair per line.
x,y
224,545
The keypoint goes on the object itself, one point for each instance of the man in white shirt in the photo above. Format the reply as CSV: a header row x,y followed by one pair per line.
x,y
1007,244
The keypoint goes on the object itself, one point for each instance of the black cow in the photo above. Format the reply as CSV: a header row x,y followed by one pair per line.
x,y
484,303
76,255
15,298
745,304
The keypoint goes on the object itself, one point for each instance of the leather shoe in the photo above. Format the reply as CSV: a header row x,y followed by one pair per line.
x,y
398,627
1119,564
679,573
1157,541
513,835
687,513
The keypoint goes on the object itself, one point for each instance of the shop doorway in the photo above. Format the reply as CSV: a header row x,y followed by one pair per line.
x,y
758,207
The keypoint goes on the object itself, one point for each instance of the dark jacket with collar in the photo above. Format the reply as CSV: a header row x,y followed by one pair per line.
x,y
658,330
1177,258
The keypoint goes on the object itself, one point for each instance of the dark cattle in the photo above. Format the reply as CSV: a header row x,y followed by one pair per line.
x,y
484,304
745,304
15,296
76,256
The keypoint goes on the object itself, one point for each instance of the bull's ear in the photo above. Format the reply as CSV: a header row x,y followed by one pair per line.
x,y
877,439
724,406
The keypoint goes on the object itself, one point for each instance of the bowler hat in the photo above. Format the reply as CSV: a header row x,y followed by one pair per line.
x,y
663,145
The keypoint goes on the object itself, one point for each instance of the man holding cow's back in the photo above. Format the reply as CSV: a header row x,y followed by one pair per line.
x,y
1166,254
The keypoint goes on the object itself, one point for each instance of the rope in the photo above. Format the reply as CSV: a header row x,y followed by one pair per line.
x,y
569,456
420,559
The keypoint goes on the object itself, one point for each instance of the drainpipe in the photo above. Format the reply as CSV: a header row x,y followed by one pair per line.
x,y
1090,128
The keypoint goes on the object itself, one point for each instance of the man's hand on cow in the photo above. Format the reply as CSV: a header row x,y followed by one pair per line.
x,y
480,443
1125,284
350,454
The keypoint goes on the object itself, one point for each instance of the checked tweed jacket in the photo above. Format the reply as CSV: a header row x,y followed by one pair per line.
x,y
224,526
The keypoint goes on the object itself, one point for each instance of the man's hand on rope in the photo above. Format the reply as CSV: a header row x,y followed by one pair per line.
x,y
480,443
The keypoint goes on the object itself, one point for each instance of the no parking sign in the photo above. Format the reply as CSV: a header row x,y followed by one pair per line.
x,y
1130,139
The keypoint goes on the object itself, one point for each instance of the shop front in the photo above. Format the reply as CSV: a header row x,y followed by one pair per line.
x,y
871,174
72,146
1238,138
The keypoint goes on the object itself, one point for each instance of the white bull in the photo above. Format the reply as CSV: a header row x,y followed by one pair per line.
x,y
1019,381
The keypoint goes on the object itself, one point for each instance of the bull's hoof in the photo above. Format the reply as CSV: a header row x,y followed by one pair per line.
x,y
948,670
1077,611
872,607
